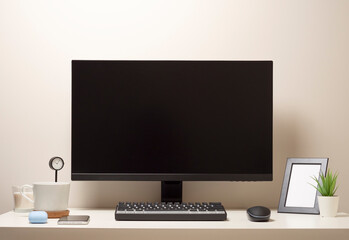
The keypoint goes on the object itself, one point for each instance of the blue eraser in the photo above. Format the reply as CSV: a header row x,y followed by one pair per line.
x,y
38,217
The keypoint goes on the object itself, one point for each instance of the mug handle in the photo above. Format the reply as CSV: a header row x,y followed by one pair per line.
x,y
22,193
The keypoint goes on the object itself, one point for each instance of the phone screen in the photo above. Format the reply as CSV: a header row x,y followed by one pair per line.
x,y
77,219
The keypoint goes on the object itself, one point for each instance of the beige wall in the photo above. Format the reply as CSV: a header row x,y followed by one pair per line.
x,y
308,41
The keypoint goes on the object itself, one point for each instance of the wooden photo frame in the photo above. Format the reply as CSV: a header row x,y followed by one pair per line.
x,y
297,193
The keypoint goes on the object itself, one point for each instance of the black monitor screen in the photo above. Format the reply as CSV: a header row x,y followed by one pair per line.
x,y
191,120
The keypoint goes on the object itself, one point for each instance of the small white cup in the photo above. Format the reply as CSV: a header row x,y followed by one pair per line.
x,y
50,196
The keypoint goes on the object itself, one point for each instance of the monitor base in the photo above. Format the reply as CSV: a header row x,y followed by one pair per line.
x,y
171,191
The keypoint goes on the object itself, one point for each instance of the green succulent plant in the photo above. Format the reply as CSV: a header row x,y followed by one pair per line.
x,y
327,184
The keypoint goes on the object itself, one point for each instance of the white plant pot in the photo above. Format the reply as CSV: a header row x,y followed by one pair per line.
x,y
328,205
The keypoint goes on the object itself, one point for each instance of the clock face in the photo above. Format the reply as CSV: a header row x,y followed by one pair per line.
x,y
56,163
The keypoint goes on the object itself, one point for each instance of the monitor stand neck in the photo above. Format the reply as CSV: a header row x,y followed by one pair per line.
x,y
171,191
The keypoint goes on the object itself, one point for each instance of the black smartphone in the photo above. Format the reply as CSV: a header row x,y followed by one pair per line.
x,y
74,220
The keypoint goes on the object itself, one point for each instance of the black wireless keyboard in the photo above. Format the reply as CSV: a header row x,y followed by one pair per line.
x,y
213,211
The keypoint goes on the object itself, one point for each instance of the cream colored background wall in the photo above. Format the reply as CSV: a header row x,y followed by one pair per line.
x,y
308,41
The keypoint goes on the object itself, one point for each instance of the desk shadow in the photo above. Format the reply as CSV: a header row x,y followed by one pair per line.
x,y
270,220
342,216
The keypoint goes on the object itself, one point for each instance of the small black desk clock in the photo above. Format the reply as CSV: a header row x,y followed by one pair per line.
x,y
56,163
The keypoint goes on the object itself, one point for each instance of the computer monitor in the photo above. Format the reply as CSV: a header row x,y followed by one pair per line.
x,y
172,121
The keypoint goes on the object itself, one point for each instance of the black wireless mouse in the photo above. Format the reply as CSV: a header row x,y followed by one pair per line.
x,y
258,214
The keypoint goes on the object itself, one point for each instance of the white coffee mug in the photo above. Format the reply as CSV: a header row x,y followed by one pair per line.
x,y
50,196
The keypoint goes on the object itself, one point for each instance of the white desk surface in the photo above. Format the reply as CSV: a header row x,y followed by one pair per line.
x,y
237,219
237,224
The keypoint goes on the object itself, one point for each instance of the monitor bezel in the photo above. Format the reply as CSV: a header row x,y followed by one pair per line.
x,y
170,177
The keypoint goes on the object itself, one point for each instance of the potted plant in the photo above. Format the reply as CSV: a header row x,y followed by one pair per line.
x,y
327,187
